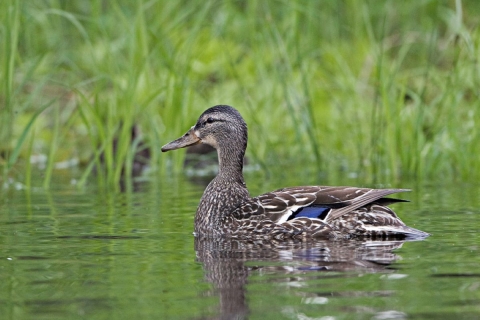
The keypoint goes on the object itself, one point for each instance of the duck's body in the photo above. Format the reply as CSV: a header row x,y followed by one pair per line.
x,y
226,208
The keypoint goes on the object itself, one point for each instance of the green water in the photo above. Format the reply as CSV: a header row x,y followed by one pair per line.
x,y
95,255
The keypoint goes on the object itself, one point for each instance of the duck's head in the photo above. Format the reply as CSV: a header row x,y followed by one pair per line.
x,y
221,127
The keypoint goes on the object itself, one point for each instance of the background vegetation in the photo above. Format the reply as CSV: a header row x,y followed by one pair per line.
x,y
381,89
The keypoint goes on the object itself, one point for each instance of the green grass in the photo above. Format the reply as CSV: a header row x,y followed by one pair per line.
x,y
380,89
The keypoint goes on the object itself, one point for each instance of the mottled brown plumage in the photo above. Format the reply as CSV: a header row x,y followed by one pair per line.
x,y
226,208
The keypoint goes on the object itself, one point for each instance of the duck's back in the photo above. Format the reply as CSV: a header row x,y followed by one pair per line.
x,y
320,212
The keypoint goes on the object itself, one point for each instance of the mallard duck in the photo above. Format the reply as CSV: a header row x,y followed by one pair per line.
x,y
226,208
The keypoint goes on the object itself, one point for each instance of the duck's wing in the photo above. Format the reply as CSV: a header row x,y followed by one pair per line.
x,y
325,203
359,197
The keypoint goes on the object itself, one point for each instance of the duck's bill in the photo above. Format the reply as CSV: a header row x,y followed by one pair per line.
x,y
188,139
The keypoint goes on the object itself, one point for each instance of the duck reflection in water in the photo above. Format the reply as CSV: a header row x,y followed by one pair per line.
x,y
228,264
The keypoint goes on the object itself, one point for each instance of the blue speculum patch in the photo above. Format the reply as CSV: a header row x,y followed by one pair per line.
x,y
312,212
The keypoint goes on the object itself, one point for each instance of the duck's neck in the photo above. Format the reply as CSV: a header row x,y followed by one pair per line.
x,y
224,193
230,165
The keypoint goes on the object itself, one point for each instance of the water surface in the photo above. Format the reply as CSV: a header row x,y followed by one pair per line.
x,y
91,254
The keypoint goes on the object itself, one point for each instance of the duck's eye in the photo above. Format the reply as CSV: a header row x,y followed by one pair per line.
x,y
209,120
